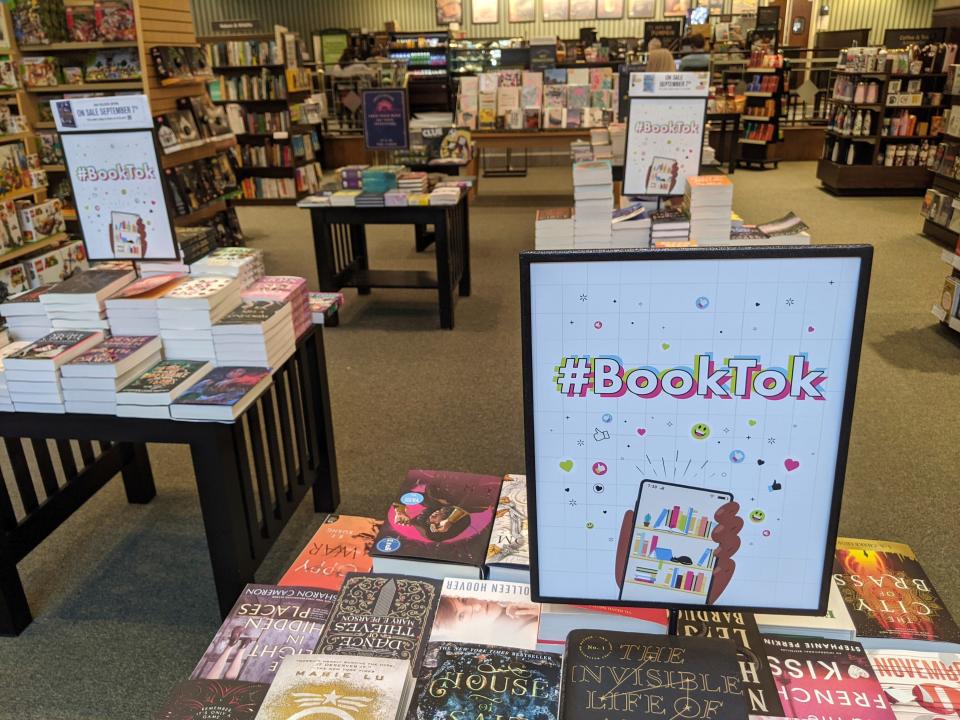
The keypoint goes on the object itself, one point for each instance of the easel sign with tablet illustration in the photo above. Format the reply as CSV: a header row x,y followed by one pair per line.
x,y
665,126
687,416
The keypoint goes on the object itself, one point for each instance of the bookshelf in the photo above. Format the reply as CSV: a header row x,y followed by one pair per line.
x,y
763,106
264,89
427,57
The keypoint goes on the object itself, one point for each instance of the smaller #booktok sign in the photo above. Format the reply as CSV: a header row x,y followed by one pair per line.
x,y
114,166
385,119
665,127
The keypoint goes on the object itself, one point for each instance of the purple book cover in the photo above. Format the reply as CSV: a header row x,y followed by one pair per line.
x,y
213,699
442,516
266,624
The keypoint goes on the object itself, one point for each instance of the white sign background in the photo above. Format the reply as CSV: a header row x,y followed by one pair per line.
x,y
119,172
664,142
776,456
121,112
683,84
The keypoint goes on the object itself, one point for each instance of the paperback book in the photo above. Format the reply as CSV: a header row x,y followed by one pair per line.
x,y
486,612
162,383
213,699
223,394
113,356
341,545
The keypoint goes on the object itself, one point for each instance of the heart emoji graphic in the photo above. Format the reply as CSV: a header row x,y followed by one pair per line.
x,y
641,431
810,328
665,346
790,464
566,465
760,462
751,423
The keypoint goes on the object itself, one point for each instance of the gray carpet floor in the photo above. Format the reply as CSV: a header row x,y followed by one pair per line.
x,y
123,595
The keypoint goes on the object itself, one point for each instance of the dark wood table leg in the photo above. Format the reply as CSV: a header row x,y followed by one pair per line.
x,y
323,251
326,487
137,474
358,243
734,146
444,289
224,516
464,219
14,611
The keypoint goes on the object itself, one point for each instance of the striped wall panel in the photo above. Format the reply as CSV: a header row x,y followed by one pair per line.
x,y
307,16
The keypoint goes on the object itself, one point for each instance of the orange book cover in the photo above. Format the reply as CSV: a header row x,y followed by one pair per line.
x,y
341,545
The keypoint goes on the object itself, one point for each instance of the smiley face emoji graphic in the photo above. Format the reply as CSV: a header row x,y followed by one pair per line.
x,y
700,431
758,515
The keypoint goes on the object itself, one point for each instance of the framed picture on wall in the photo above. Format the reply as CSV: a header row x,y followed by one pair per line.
x,y
744,7
641,9
556,10
676,8
715,7
449,11
521,11
609,9
583,9
485,12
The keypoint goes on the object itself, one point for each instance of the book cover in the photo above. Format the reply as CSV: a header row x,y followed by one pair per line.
x,y
888,595
825,678
508,539
223,386
251,312
347,688
341,545
89,282
54,344
642,676
486,612
113,350
758,686
387,616
213,699
164,376
30,296
918,685
483,681
543,214
149,288
199,287
266,624
440,516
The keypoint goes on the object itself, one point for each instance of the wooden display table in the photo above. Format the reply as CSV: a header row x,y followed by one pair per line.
x,y
244,506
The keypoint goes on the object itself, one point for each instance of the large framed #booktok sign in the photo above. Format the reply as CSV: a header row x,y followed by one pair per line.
x,y
665,126
687,416
114,166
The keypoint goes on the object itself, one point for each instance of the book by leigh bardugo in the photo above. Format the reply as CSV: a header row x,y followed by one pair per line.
x,y
382,616
889,597
266,624
610,674
341,545
483,681
214,699
758,686
825,678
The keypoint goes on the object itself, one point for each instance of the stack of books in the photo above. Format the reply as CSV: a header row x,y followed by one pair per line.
x,y
351,177
195,242
33,373
600,144
285,289
669,226
345,198
78,302
133,310
593,201
243,263
554,228
323,305
369,199
187,314
149,394
6,403
26,317
91,380
381,178
445,196
708,201
222,394
395,198
255,333
631,226
152,269
412,182
618,142
581,151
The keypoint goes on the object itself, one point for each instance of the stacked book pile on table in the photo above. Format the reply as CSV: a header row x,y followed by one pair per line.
x,y
188,311
6,402
258,332
78,302
243,263
593,204
26,317
389,186
553,229
325,307
287,289
669,227
133,310
631,226
91,380
708,201
394,624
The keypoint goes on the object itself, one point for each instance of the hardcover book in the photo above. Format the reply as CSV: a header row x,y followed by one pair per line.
x,y
483,681
266,624
889,597
386,616
508,555
341,545
758,687
825,678
612,674
486,612
439,525
347,688
918,685
213,699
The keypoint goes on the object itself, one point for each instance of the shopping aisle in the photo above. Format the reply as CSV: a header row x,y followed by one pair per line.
x,y
407,394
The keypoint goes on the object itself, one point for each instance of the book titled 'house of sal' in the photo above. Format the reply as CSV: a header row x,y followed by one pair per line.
x,y
381,616
266,624
438,525
612,675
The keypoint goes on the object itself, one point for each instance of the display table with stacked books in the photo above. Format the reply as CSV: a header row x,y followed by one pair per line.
x,y
340,244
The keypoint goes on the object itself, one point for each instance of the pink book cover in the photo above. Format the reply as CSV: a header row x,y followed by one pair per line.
x,y
200,287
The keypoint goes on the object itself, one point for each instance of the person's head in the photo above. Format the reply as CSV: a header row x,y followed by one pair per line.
x,y
696,42
654,44
660,60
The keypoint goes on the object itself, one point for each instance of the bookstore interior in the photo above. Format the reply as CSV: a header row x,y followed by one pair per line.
x,y
705,231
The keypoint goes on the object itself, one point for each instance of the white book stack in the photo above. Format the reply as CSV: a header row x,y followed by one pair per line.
x,y
553,229
670,226
133,310
149,269
33,373
600,142
581,151
6,404
78,302
26,317
187,313
708,201
593,201
91,380
149,394
243,263
256,333
631,227
618,142
445,196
